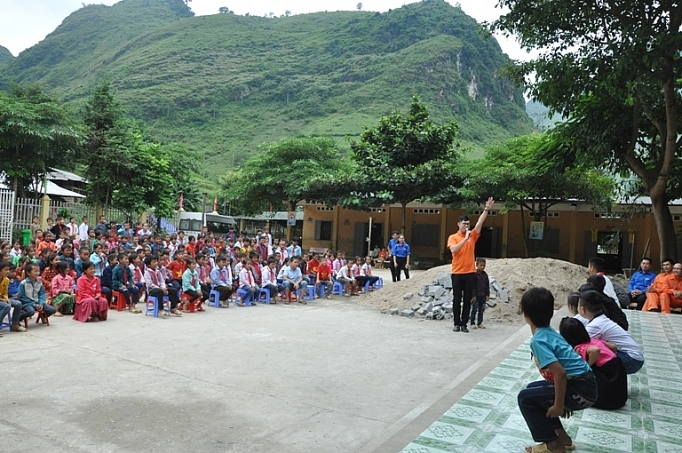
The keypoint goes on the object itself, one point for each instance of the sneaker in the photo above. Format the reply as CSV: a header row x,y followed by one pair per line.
x,y
480,326
473,326
176,312
456,329
464,329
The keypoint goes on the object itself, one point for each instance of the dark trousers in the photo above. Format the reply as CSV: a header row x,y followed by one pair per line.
x,y
391,266
462,284
130,290
401,262
172,297
27,311
193,295
106,292
537,397
477,307
205,291
639,300
225,292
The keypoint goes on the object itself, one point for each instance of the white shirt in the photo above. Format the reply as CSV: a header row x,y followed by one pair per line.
x,y
268,275
245,278
356,270
609,290
366,270
73,229
602,328
344,273
83,232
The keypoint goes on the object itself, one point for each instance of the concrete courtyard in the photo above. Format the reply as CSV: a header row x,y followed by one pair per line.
x,y
331,376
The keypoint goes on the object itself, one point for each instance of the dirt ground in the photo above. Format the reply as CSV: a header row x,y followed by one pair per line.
x,y
515,274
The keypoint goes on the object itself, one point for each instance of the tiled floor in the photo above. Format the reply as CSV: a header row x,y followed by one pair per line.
x,y
487,418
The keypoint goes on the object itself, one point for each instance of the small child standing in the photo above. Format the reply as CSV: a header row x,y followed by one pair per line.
x,y
481,295
569,383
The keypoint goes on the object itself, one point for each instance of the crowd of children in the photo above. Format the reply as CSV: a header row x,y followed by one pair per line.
x,y
77,270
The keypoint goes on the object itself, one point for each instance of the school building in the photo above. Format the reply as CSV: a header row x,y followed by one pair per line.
x,y
572,232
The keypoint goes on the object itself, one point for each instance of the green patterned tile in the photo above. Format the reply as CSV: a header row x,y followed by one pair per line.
x,y
665,447
604,439
468,413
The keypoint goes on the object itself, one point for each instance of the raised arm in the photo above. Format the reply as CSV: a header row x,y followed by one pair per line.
x,y
481,219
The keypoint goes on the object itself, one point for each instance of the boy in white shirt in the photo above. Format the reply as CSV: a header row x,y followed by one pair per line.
x,y
345,276
366,271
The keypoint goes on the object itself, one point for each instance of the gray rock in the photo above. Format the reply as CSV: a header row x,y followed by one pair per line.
x,y
429,306
440,292
429,316
439,315
407,313
394,311
421,292
427,299
449,316
447,308
440,302
408,296
504,295
445,282
416,307
423,311
496,286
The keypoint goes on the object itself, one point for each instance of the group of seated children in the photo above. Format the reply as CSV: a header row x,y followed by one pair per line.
x,y
107,264
584,365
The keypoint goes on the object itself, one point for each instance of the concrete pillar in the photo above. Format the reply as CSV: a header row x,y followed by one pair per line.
x,y
143,217
572,239
336,226
444,233
44,211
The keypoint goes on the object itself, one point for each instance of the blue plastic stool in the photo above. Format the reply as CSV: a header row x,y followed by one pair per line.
x,y
321,292
311,293
215,295
240,296
266,292
154,309
337,288
379,284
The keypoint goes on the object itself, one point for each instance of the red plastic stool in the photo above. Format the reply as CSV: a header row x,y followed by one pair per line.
x,y
118,301
191,306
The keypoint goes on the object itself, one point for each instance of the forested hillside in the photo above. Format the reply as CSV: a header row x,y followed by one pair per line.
x,y
5,55
223,84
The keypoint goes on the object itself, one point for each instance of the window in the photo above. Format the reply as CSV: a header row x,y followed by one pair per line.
x,y
323,230
613,215
377,210
677,218
479,212
608,243
325,208
190,225
426,211
549,214
425,235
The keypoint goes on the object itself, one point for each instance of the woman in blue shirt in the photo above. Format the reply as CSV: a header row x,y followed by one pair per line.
x,y
401,257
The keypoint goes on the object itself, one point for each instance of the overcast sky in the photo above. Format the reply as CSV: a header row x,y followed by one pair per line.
x,y
24,23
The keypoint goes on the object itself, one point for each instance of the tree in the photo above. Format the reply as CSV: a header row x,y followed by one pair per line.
x,y
359,7
613,69
281,175
37,134
223,10
287,13
520,174
405,158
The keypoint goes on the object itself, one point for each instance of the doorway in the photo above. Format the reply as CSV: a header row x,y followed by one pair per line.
x,y
362,234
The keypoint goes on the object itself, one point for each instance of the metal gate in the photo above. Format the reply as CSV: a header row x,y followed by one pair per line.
x,y
6,214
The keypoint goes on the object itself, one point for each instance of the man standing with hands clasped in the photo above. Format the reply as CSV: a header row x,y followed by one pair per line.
x,y
462,245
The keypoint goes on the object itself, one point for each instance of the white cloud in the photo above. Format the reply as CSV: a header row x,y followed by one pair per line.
x,y
24,23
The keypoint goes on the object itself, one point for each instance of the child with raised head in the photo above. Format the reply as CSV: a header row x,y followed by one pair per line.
x,y
612,381
156,286
324,278
191,247
176,268
46,243
221,280
481,295
137,268
90,304
32,294
35,226
602,328
63,298
190,283
569,383
7,304
99,259
122,281
15,251
83,256
49,273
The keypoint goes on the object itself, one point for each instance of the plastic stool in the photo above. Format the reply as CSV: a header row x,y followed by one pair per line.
x,y
214,298
311,294
266,292
7,324
154,310
337,288
118,301
240,295
322,292
379,284
191,306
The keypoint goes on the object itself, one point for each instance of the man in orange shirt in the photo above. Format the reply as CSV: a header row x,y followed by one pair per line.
x,y
462,245
658,287
672,298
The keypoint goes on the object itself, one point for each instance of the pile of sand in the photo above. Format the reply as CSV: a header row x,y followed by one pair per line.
x,y
515,274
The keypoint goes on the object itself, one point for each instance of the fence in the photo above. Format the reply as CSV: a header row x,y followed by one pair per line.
x,y
6,214
27,208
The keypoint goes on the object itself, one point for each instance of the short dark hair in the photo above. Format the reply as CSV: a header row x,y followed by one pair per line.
x,y
537,304
189,261
220,258
271,260
87,265
480,260
597,282
61,266
592,301
667,259
3,264
647,259
121,256
29,267
573,300
111,258
597,263
149,258
463,218
573,331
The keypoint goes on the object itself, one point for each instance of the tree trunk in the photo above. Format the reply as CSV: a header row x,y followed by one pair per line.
x,y
523,232
402,220
664,227
290,229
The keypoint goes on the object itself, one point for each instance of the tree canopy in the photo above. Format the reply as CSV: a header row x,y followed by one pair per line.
x,y
614,70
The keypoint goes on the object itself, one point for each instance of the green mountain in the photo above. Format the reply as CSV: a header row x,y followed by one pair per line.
x,y
540,115
5,55
223,84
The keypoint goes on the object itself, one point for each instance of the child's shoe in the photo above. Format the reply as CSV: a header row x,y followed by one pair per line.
x,y
473,326
176,312
481,326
